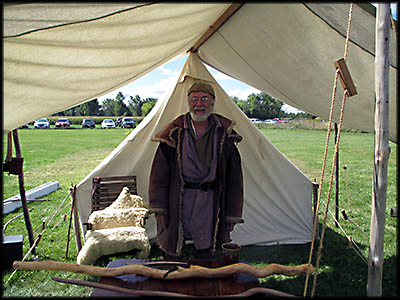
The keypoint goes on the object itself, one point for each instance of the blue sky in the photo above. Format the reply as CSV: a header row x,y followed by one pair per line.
x,y
160,81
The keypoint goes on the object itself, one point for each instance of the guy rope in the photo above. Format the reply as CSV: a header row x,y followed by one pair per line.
x,y
349,90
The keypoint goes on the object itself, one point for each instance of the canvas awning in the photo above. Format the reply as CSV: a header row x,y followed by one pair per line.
x,y
58,55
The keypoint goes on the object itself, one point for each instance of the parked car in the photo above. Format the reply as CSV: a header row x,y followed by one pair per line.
x,y
107,123
255,120
23,126
88,123
128,122
269,121
280,120
62,123
42,123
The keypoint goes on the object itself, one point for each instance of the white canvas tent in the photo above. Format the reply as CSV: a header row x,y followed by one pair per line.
x,y
278,197
58,55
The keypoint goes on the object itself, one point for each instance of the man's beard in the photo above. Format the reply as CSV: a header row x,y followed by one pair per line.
x,y
202,117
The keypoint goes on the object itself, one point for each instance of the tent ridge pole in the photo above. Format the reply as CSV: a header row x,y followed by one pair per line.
x,y
232,9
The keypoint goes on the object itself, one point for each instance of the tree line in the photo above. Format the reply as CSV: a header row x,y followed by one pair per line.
x,y
120,106
260,106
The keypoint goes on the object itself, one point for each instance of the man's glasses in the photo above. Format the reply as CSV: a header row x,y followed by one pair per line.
x,y
204,99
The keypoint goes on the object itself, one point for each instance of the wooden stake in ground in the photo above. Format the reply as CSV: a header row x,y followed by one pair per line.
x,y
382,150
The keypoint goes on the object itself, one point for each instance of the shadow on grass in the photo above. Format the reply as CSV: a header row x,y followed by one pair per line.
x,y
342,272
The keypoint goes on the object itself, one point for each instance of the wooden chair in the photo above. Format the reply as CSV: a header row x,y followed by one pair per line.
x,y
106,189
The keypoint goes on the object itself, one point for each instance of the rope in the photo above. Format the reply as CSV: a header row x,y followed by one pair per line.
x,y
329,193
350,239
348,31
324,164
321,182
54,214
39,237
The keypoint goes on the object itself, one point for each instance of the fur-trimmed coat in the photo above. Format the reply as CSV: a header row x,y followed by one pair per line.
x,y
166,184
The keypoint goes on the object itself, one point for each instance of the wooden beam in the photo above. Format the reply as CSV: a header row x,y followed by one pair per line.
x,y
381,153
217,24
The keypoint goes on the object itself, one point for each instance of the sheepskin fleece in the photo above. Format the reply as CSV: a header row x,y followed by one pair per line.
x,y
113,240
126,200
112,218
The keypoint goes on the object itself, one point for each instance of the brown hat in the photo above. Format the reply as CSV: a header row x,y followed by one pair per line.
x,y
201,86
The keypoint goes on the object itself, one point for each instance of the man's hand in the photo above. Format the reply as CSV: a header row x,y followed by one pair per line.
x,y
162,221
230,226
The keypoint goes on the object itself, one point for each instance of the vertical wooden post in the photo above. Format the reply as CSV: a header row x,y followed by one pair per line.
x,y
381,153
336,180
22,192
315,200
77,228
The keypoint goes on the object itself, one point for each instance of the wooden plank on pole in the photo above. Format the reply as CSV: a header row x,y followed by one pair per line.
x,y
217,24
22,193
345,77
381,153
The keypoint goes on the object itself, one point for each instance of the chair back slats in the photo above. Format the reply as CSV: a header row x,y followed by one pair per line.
x,y
106,189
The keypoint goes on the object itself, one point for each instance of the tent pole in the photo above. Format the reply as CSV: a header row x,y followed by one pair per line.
x,y
381,152
22,192
233,8
77,228
336,181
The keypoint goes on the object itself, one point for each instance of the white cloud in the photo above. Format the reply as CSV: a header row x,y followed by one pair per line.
x,y
158,89
242,93
290,109
168,72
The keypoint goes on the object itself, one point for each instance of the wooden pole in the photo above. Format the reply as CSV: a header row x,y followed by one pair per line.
x,y
175,273
77,228
69,227
336,181
22,192
381,153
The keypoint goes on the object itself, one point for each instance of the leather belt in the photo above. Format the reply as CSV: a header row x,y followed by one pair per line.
x,y
205,186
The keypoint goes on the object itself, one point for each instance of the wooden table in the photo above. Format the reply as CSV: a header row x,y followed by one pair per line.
x,y
229,285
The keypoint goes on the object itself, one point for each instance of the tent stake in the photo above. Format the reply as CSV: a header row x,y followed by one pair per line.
x,y
22,192
381,153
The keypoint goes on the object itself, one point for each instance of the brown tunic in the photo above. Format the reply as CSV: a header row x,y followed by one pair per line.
x,y
166,186
198,204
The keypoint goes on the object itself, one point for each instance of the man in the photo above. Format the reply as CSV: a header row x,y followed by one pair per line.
x,y
196,181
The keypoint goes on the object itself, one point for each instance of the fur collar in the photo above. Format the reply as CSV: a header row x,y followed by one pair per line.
x,y
166,134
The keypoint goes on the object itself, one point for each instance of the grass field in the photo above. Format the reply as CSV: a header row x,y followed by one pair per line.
x,y
69,155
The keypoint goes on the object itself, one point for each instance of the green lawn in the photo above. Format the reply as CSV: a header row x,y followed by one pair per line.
x,y
69,155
